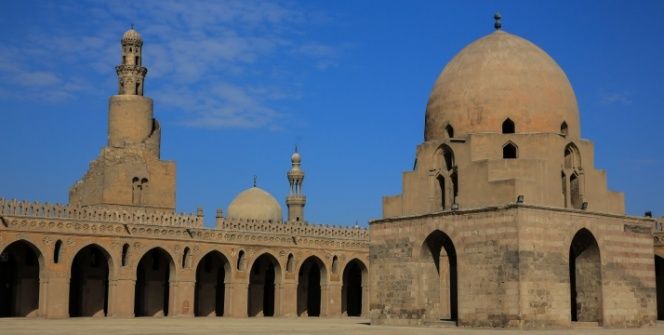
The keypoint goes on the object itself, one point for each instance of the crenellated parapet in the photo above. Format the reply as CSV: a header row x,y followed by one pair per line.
x,y
98,214
294,229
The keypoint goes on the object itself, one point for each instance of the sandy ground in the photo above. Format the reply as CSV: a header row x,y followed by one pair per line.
x,y
324,326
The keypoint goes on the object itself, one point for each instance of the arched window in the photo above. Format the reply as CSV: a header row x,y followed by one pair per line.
x,y
125,253
56,251
508,126
510,151
335,264
240,260
289,263
185,255
572,157
446,179
450,131
563,129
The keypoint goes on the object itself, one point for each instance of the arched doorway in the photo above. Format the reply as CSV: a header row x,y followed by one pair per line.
x,y
352,298
439,277
20,264
263,278
311,278
585,278
152,283
659,278
88,285
210,284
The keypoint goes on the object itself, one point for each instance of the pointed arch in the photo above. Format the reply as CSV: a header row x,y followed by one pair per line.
x,y
289,262
449,130
585,278
264,276
212,273
21,263
88,284
153,274
572,156
57,249
510,150
353,297
439,277
659,279
508,126
564,129
312,276
446,181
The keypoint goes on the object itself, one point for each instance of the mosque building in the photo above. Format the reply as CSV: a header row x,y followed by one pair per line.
x,y
503,222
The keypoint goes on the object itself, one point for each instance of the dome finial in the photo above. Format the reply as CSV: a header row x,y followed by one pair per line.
x,y
497,23
255,180
132,26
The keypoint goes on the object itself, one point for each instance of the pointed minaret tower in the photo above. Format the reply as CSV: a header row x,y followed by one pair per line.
x,y
129,171
296,199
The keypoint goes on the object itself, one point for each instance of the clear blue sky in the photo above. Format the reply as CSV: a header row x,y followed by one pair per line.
x,y
237,84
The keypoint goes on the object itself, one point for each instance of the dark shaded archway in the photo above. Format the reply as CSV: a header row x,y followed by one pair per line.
x,y
152,283
311,279
352,290
88,285
210,284
585,278
659,278
264,276
20,264
439,277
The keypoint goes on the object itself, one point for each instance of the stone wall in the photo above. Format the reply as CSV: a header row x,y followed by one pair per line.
x,y
513,267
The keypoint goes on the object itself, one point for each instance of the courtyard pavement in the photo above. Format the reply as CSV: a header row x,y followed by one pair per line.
x,y
316,326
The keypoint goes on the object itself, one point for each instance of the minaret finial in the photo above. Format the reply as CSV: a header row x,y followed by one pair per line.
x,y
132,26
254,180
497,24
296,148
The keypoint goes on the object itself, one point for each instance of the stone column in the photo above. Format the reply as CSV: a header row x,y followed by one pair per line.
x,y
236,299
289,299
331,299
445,311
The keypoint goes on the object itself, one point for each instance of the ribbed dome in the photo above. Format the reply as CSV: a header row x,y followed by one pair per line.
x,y
132,35
497,77
256,204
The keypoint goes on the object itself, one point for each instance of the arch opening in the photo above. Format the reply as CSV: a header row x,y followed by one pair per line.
x,y
585,277
88,285
439,277
659,278
310,281
564,129
152,283
352,298
508,126
210,288
510,151
263,278
449,130
19,280
447,183
56,251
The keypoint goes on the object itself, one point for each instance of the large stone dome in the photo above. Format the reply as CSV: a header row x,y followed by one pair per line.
x,y
255,204
497,77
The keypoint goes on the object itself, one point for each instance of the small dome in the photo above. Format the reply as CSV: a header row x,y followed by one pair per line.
x,y
255,204
497,77
132,35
